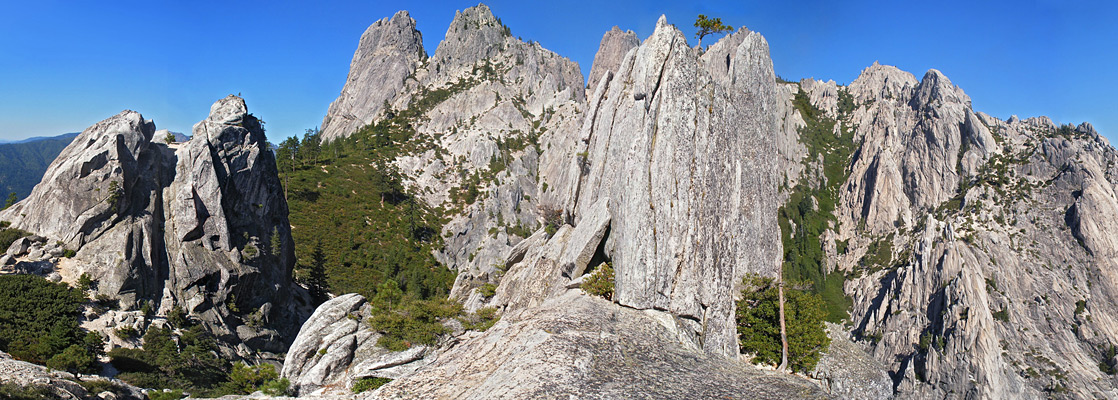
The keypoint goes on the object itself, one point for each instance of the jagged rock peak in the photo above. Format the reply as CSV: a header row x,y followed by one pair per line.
x,y
389,51
200,225
935,87
679,144
882,82
474,35
615,43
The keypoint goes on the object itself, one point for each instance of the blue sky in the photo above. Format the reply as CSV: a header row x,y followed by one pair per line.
x,y
66,65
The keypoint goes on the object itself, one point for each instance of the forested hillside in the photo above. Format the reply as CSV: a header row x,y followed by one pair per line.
x,y
22,163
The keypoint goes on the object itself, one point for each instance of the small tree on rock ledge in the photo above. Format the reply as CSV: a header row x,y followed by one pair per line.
x,y
709,26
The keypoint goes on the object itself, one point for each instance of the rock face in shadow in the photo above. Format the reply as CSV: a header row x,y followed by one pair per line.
x,y
680,143
389,52
200,225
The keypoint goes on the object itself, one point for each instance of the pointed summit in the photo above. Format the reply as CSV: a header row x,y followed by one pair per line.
x,y
389,51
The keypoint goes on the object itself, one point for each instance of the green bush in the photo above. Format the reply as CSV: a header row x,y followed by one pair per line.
x,y
758,318
1108,365
481,320
84,282
245,379
166,395
39,323
67,253
369,383
12,391
190,363
96,386
250,251
487,290
600,282
1002,315
9,236
405,321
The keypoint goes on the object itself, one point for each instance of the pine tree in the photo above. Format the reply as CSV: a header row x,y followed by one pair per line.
x,y
316,277
709,26
12,199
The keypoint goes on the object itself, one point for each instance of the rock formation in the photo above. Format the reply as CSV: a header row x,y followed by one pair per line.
x,y
578,346
60,384
678,142
389,52
615,44
993,282
200,225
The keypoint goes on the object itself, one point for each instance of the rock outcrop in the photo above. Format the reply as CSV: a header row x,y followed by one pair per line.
x,y
578,346
200,225
389,52
679,143
336,347
615,44
988,276
60,384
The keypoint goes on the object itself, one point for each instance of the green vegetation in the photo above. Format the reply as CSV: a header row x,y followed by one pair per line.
x,y
487,290
22,164
10,235
879,254
247,379
174,394
188,361
39,324
354,224
1109,364
600,282
810,208
481,320
1001,315
758,318
405,320
369,383
708,26
553,219
12,391
97,386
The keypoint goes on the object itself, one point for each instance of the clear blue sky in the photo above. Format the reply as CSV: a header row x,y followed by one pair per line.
x,y
66,65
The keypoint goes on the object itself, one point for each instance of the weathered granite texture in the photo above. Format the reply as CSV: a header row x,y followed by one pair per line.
x,y
578,346
389,52
188,225
615,44
680,143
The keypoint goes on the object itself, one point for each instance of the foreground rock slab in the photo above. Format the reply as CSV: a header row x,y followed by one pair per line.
x,y
578,346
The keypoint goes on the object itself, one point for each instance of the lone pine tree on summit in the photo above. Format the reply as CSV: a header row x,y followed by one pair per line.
x,y
709,26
